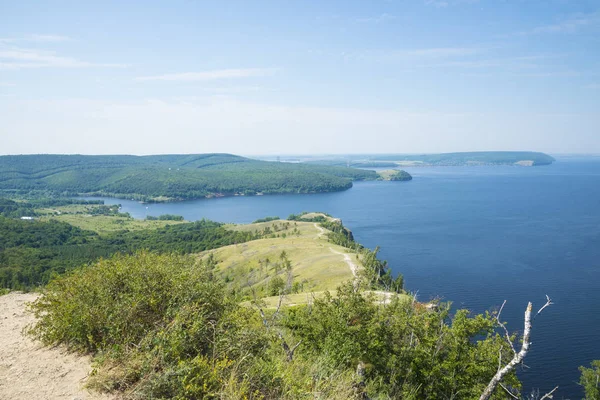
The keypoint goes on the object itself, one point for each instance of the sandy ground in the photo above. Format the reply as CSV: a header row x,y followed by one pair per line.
x,y
30,371
353,267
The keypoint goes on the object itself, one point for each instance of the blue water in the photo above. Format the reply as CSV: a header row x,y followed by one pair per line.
x,y
474,236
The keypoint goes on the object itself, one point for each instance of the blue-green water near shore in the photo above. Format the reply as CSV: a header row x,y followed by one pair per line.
x,y
474,236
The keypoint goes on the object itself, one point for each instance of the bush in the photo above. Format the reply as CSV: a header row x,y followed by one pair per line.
x,y
266,219
161,317
118,300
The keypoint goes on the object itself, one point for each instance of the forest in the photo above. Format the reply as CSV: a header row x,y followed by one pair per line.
x,y
33,252
168,177
442,159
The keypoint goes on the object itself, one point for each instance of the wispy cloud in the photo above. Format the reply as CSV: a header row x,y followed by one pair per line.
x,y
446,3
210,75
572,24
409,55
36,38
440,52
15,58
530,62
436,3
378,19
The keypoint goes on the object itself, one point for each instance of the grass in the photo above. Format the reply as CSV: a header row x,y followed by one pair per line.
x,y
317,265
305,298
79,216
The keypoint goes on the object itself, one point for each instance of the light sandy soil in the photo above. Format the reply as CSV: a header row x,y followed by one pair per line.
x,y
30,371
353,267
321,230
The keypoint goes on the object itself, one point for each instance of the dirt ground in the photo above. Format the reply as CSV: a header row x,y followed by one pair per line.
x,y
30,371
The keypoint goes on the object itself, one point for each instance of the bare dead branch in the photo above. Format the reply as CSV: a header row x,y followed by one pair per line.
x,y
286,348
548,303
292,350
279,304
518,357
487,393
509,392
549,394
504,328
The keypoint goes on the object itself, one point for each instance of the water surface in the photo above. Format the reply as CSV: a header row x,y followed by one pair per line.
x,y
474,236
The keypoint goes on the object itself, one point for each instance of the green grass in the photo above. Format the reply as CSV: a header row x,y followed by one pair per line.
x,y
316,264
80,216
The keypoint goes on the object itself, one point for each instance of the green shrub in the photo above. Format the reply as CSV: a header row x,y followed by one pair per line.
x,y
590,380
118,300
164,327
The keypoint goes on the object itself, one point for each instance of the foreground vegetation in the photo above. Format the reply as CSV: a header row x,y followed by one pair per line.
x,y
168,177
205,310
165,326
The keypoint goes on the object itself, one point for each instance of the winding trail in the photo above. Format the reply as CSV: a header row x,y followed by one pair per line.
x,y
321,231
30,371
348,259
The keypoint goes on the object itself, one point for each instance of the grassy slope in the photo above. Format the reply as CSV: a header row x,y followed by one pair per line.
x,y
79,216
315,261
321,264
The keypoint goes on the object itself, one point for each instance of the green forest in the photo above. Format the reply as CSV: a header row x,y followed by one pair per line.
x,y
168,177
32,252
442,159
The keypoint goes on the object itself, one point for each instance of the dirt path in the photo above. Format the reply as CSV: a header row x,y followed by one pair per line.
x,y
348,259
30,371
321,230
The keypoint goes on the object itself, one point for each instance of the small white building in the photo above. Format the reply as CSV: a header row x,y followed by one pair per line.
x,y
27,218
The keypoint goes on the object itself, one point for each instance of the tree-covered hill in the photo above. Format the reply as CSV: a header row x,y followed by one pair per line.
x,y
530,158
169,176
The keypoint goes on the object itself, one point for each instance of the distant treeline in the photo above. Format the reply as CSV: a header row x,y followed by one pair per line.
x,y
173,177
31,252
442,159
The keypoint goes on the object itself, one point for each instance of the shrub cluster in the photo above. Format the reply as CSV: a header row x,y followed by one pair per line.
x,y
164,326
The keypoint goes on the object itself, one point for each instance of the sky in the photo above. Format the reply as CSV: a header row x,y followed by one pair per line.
x,y
299,77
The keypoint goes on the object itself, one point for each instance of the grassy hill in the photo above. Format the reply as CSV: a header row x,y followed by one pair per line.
x,y
169,177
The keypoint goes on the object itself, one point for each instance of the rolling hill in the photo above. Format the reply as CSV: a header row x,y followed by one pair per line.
x,y
169,177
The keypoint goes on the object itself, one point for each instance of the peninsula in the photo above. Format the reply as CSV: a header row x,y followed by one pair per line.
x,y
477,158
172,177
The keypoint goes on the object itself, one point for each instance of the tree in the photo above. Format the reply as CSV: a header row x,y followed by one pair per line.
x,y
590,380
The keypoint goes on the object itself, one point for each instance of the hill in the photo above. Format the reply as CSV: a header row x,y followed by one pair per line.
x,y
169,177
523,158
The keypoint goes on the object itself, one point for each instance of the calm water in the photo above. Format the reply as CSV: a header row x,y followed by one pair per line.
x,y
474,236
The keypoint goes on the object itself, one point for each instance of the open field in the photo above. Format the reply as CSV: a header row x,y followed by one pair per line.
x,y
82,217
105,224
315,266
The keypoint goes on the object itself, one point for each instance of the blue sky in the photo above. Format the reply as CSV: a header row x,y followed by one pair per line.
x,y
274,77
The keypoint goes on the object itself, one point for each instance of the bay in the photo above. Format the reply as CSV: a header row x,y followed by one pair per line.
x,y
474,236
